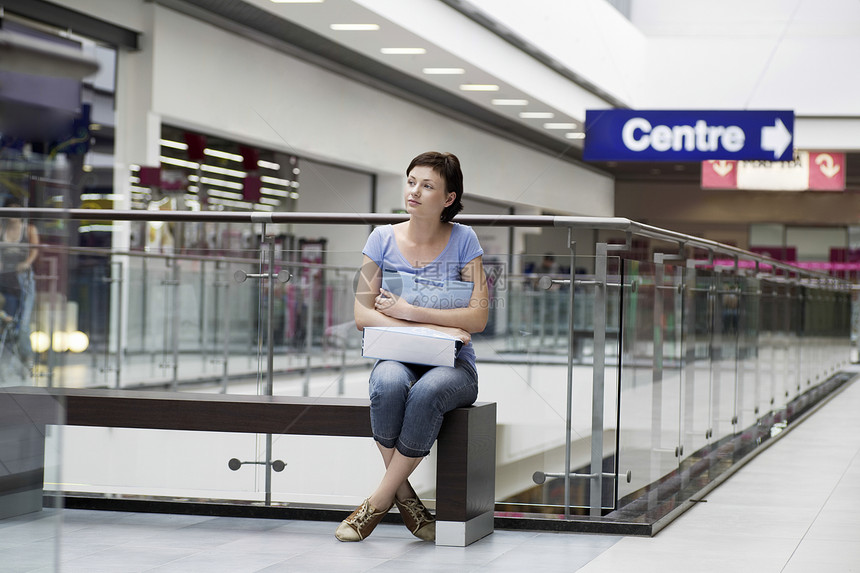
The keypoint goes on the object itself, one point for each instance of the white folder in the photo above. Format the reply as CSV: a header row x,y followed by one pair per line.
x,y
411,344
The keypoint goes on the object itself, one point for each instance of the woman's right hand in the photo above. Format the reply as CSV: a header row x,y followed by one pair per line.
x,y
453,331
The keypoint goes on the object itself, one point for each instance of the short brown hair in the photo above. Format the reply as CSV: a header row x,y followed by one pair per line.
x,y
448,167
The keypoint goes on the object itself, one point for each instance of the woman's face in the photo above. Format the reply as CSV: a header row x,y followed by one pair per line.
x,y
426,193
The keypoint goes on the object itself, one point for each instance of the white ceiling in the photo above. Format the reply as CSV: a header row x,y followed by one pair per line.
x,y
566,56
484,57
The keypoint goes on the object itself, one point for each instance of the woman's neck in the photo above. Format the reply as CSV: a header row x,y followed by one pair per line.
x,y
425,230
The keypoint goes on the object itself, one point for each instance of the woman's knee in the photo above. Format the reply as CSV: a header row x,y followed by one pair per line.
x,y
388,377
444,390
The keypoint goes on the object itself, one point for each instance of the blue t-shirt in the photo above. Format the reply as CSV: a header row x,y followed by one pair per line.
x,y
437,284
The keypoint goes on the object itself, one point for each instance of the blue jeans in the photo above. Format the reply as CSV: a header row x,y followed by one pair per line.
x,y
408,402
20,306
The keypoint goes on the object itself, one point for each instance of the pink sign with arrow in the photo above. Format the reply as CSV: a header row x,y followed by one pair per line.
x,y
810,170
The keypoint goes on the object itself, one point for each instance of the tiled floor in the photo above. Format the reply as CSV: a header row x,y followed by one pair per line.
x,y
794,509
111,542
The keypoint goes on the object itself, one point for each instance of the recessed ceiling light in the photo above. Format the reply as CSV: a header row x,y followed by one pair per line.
x,y
222,154
559,126
575,135
173,144
444,71
268,165
404,51
354,27
510,102
479,87
537,115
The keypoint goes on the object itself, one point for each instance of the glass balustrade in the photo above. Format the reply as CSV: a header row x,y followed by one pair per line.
x,y
673,369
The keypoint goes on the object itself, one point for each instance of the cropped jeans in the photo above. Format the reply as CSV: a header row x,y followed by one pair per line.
x,y
408,402
20,306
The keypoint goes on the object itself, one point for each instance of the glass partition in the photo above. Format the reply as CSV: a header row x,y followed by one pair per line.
x,y
724,363
30,419
651,378
29,458
674,369
750,395
699,290
746,350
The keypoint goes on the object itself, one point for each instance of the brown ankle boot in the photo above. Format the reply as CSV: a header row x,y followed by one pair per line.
x,y
417,518
360,522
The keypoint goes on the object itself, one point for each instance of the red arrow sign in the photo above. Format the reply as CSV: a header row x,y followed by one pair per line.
x,y
827,171
722,174
821,171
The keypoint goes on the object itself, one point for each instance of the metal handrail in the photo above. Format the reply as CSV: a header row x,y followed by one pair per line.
x,y
103,251
685,244
619,224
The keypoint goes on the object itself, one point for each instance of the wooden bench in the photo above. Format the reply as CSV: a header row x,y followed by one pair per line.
x,y
466,447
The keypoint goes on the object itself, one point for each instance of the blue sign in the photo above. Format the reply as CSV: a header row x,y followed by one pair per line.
x,y
661,135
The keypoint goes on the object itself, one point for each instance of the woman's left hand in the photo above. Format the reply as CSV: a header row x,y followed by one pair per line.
x,y
390,305
22,266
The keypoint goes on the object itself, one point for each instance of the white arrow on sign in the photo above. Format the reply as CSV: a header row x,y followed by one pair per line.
x,y
722,168
776,138
827,165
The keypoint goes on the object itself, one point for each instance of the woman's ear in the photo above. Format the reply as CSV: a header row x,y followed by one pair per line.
x,y
451,198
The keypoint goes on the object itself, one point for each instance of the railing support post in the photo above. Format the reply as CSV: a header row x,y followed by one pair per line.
x,y
270,352
568,419
598,371
175,322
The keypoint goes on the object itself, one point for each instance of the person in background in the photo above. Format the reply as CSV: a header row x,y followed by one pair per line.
x,y
408,401
18,252
547,265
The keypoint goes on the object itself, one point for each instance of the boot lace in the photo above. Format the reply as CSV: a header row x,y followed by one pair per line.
x,y
417,510
363,517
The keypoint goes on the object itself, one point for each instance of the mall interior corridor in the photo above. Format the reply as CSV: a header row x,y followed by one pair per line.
x,y
792,509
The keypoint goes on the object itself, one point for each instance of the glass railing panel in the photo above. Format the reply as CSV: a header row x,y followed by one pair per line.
x,y
769,341
193,326
31,297
30,458
750,395
839,335
854,327
224,331
672,326
825,322
525,354
795,297
222,327
649,425
699,294
704,354
160,337
159,464
36,325
535,320
816,321
86,308
782,346
610,317
190,320
724,359
317,353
